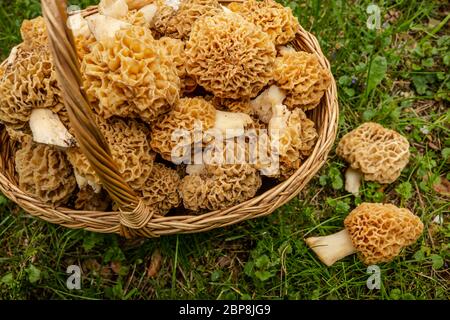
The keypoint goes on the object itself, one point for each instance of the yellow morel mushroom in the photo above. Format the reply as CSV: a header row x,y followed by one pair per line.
x,y
131,76
160,191
229,56
188,114
273,18
129,143
377,232
189,123
28,82
88,199
45,173
302,77
34,33
222,180
177,21
175,48
377,153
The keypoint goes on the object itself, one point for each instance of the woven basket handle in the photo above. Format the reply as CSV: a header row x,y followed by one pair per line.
x,y
133,213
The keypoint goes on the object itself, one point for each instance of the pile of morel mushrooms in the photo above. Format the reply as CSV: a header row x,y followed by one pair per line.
x,y
196,100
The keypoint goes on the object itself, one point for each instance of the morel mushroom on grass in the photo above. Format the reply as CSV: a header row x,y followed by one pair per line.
x,y
377,153
377,232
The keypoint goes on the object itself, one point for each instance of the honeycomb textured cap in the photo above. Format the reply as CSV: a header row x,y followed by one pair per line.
x,y
178,23
219,187
84,45
229,56
34,33
273,18
379,153
45,173
130,76
303,78
188,114
88,200
28,82
175,49
379,231
129,143
160,191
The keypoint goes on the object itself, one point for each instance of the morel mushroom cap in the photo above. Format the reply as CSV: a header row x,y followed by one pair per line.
x,y
177,22
45,173
273,18
175,48
188,114
130,148
378,232
229,56
89,200
379,153
34,33
28,81
302,77
131,77
224,179
160,191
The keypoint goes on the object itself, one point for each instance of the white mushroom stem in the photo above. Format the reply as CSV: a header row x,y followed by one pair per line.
x,y
83,182
285,49
79,26
47,128
104,28
332,248
113,8
262,105
149,12
353,180
231,124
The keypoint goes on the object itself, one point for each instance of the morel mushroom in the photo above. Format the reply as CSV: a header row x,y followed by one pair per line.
x,y
224,179
376,231
377,153
131,76
28,81
45,173
188,123
175,49
302,77
176,21
272,17
129,143
229,56
160,191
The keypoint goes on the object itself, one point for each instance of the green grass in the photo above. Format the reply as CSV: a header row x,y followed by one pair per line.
x,y
397,76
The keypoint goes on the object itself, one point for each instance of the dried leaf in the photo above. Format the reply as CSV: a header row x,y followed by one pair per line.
x,y
442,187
155,264
116,267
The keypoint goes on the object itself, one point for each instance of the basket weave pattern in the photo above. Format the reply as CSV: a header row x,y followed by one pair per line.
x,y
135,219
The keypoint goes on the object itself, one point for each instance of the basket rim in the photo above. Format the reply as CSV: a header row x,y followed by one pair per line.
x,y
260,205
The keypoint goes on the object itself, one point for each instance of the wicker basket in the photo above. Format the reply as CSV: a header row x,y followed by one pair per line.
x,y
134,218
